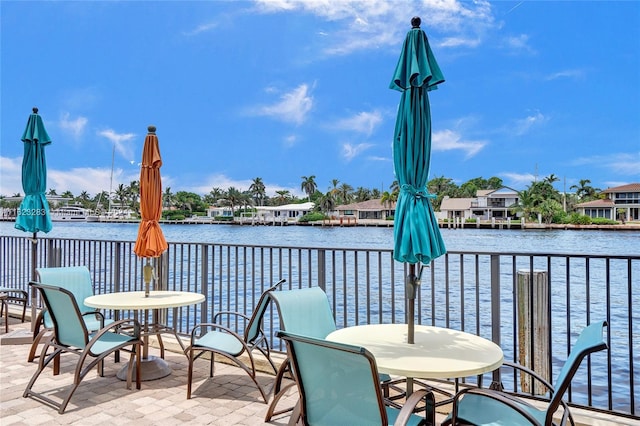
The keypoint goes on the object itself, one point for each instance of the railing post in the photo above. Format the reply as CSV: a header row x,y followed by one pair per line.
x,y
496,382
322,274
204,282
533,327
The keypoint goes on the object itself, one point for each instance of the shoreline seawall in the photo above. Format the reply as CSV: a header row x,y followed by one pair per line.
x,y
629,226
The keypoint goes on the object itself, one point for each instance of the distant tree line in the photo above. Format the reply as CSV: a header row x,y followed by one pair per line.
x,y
539,198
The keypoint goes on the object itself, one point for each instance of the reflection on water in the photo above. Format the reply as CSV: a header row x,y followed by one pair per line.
x,y
475,240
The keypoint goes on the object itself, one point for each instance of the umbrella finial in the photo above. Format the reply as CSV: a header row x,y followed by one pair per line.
x,y
415,22
152,129
35,110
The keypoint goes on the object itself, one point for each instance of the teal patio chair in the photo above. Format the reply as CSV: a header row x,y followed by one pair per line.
x,y
339,385
16,296
490,407
76,279
307,312
214,338
72,336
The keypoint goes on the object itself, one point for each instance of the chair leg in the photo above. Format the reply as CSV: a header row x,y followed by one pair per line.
x,y
278,392
190,372
296,415
36,341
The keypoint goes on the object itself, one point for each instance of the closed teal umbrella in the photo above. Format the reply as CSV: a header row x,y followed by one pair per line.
x,y
416,234
33,213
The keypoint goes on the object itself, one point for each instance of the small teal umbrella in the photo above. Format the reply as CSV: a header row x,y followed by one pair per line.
x,y
33,213
416,234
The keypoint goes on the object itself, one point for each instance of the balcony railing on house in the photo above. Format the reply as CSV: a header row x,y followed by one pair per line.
x,y
477,292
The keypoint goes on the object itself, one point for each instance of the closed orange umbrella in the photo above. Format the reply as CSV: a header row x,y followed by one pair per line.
x,y
150,241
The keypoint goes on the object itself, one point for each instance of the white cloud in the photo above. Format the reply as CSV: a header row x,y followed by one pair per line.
x,y
619,163
290,140
76,180
574,73
362,122
10,176
523,125
448,140
224,182
121,141
350,151
92,180
362,25
518,43
202,28
293,106
517,180
75,127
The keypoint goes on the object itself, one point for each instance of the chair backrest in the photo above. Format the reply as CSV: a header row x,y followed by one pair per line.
x,y
68,325
252,331
591,340
338,383
305,311
76,279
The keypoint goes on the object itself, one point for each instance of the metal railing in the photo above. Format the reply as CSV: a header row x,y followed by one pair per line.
x,y
475,292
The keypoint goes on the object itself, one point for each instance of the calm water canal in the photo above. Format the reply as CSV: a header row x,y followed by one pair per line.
x,y
494,240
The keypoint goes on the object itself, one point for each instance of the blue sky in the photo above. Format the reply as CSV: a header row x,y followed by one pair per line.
x,y
284,89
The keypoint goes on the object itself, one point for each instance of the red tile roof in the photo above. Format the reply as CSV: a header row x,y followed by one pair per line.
x,y
632,187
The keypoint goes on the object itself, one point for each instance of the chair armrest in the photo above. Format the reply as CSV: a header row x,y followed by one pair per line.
x,y
410,405
98,315
230,313
502,398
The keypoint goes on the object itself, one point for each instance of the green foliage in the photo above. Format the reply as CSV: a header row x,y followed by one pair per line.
x,y
175,214
559,217
312,217
579,219
603,221
223,218
471,220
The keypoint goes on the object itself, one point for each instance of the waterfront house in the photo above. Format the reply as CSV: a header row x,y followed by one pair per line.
x,y
280,214
220,212
486,205
621,202
367,210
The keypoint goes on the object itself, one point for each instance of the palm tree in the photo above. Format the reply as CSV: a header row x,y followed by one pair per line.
x,y
283,196
388,198
527,203
584,191
346,193
122,193
333,189
308,185
257,189
214,196
167,198
362,194
327,203
233,198
84,198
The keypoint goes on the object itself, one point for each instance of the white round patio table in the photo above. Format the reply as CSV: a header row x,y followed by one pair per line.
x,y
151,367
438,353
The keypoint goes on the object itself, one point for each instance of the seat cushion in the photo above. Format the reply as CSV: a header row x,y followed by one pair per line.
x,y
220,341
482,410
392,415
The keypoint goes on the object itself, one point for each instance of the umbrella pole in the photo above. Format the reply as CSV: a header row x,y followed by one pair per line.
x,y
34,257
411,288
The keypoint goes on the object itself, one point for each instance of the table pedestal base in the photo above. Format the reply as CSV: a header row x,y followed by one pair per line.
x,y
151,368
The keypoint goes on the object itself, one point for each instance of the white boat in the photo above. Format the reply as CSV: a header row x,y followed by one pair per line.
x,y
69,214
